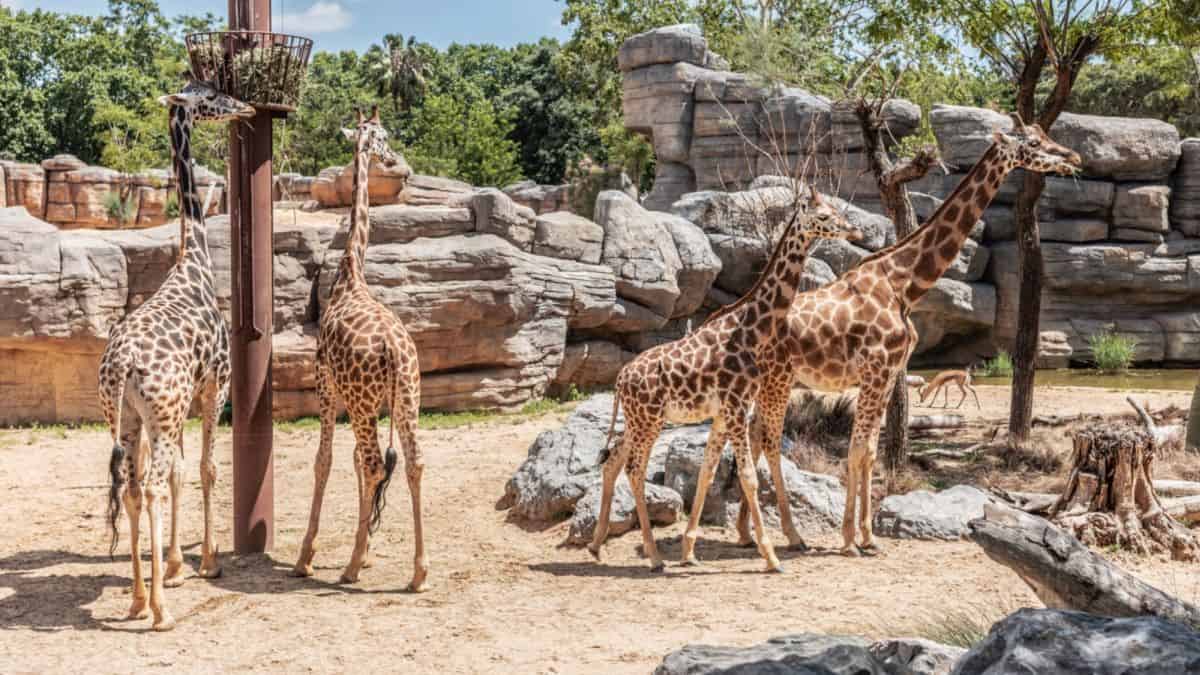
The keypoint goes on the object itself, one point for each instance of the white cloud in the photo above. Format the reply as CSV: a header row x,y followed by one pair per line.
x,y
11,4
321,17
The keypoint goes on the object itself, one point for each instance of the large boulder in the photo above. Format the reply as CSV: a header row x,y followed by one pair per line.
x,y
1066,642
334,186
1120,148
1185,197
965,133
562,234
669,44
921,514
816,500
490,320
1142,207
700,265
813,654
590,364
662,504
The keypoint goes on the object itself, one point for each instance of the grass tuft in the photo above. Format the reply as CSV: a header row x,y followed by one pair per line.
x,y
1112,353
1000,365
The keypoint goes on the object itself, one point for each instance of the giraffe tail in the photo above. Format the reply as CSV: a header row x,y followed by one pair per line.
x,y
379,499
124,366
602,458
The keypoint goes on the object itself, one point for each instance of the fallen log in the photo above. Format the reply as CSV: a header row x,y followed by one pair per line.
x,y
1184,509
1176,488
1037,503
930,422
1064,573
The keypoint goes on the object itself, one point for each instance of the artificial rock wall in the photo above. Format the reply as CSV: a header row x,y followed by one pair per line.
x,y
1122,241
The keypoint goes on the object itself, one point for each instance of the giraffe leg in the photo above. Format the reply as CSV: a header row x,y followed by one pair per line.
x,y
745,537
852,475
163,454
414,466
637,483
610,471
321,466
174,573
213,399
864,442
368,463
712,457
739,435
769,414
132,497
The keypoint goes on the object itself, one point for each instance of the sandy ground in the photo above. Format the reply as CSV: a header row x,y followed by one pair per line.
x,y
506,598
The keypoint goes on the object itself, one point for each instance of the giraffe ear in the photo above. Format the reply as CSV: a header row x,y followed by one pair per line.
x,y
816,196
350,133
375,114
1018,124
358,111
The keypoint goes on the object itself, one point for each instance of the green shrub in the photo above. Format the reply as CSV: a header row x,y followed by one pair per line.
x,y
123,211
1112,353
171,209
998,366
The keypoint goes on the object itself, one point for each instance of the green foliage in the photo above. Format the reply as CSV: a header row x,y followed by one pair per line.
x,y
1112,353
121,210
1159,80
463,139
1000,365
171,208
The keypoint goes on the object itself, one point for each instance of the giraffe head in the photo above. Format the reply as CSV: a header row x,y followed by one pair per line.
x,y
822,220
205,102
1028,147
376,137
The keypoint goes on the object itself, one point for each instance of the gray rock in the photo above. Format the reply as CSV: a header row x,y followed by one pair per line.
x,y
1142,207
817,501
930,515
662,504
1075,230
803,654
590,364
562,234
916,656
562,463
641,253
496,213
1076,195
878,231
672,180
700,265
963,133
669,44
402,223
1120,148
1066,642
1138,235
1185,198
839,254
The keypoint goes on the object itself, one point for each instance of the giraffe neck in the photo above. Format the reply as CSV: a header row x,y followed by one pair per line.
x,y
921,258
193,237
772,294
351,268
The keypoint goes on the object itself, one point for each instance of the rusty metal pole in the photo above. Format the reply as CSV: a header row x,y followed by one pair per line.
x,y
251,222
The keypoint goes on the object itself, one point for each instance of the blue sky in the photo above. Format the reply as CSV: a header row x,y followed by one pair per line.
x,y
355,24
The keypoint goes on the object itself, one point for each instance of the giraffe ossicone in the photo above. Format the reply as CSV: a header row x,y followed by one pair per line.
x,y
173,347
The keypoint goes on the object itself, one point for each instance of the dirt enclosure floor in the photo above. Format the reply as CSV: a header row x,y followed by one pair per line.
x,y
505,597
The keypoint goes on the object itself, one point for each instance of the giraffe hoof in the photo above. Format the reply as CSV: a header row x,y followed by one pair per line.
x,y
166,623
174,580
851,551
595,551
301,571
798,545
871,550
348,578
777,568
139,610
209,571
658,566
417,587
691,562
747,543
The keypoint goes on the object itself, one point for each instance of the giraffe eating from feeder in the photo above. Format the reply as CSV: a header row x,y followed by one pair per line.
x,y
173,347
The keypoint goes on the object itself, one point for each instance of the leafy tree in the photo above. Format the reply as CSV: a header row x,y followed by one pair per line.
x,y
464,139
398,70
311,139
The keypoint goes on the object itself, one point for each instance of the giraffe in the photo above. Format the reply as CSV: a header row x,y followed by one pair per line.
x,y
366,357
171,348
711,374
856,331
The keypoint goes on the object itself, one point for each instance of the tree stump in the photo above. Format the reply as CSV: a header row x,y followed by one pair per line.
x,y
1110,500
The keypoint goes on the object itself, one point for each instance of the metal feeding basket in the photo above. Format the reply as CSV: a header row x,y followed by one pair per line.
x,y
263,69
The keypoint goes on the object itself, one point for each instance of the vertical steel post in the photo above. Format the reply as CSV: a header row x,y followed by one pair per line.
x,y
251,221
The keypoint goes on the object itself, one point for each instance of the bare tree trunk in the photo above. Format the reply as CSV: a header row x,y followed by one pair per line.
x,y
1029,309
1191,440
